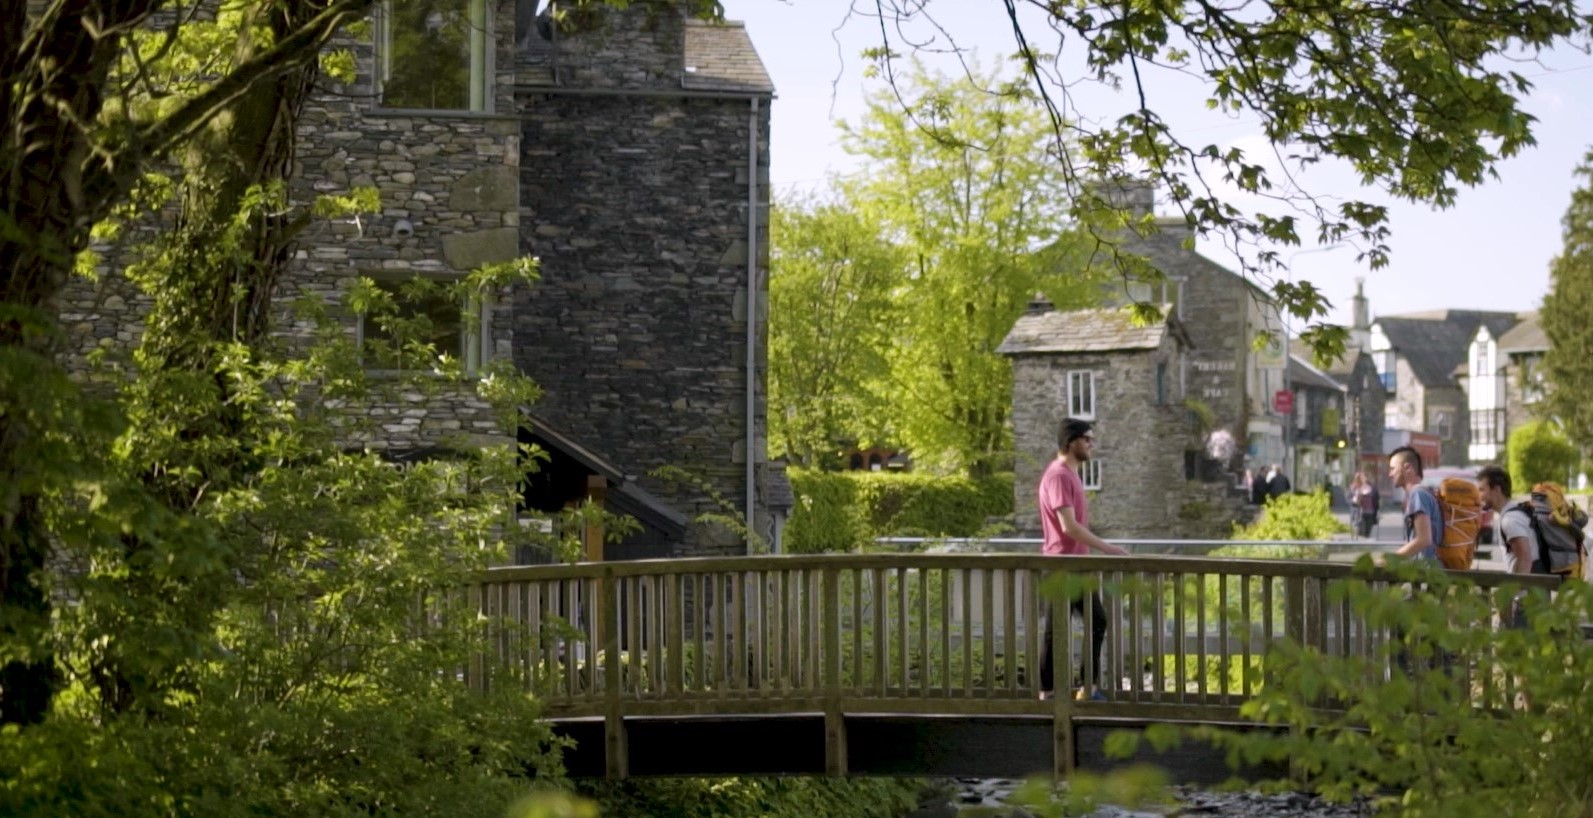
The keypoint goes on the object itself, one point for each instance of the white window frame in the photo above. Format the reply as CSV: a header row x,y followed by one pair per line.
x,y
481,56
1081,394
1090,474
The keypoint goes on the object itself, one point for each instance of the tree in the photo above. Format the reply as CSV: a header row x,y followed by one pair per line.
x,y
960,176
1568,365
1417,99
831,318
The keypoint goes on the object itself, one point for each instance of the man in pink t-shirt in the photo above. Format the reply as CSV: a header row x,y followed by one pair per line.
x,y
1064,520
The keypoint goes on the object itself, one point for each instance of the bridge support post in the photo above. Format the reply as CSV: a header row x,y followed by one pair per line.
x,y
616,755
834,718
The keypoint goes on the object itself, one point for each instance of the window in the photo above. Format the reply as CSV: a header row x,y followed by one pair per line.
x,y
1385,369
1531,379
1486,425
1081,394
433,54
1090,473
418,311
1443,423
1482,359
1161,382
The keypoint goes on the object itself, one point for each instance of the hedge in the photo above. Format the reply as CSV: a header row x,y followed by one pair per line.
x,y
842,511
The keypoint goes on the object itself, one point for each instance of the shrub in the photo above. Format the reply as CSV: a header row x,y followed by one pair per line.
x,y
1538,451
1501,731
839,511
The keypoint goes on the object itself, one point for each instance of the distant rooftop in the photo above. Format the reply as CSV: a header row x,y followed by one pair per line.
x,y
1435,342
1105,330
720,57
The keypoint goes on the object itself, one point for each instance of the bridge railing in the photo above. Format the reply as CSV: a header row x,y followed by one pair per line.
x,y
907,633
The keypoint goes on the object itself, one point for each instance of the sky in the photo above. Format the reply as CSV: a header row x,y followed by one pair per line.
x,y
1491,251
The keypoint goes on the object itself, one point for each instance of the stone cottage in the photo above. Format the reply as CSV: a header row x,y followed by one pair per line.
x,y
1230,384
1097,365
629,151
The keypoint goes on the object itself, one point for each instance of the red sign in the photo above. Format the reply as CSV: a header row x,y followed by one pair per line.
x,y
1283,402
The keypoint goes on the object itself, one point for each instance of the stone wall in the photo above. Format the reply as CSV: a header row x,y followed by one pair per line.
x,y
637,206
450,202
1140,444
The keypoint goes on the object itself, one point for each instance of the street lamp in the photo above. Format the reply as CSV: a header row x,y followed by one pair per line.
x,y
1290,464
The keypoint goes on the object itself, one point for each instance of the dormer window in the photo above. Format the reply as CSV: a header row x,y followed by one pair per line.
x,y
433,55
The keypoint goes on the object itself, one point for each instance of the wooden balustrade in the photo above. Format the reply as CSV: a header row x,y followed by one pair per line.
x,y
928,634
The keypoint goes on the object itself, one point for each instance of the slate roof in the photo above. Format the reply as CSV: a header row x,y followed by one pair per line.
x,y
1436,341
1302,373
720,57
1526,336
1105,330
1340,370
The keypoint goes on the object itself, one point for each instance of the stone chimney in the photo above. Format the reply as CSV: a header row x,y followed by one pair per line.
x,y
1361,330
1137,196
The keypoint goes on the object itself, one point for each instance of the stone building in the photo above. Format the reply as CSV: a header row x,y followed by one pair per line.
x,y
1097,365
1318,432
1417,356
628,150
1229,383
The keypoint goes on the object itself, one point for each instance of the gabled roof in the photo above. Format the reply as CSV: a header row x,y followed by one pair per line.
x,y
720,57
626,496
1436,341
1340,370
1526,336
1304,374
1106,330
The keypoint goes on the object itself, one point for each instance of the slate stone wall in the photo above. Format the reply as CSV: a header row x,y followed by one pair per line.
x,y
638,207
450,202
1141,444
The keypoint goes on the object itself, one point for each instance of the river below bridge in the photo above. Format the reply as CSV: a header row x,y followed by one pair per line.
x,y
991,798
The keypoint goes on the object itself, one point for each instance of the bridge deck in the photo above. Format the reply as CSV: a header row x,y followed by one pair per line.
x,y
909,650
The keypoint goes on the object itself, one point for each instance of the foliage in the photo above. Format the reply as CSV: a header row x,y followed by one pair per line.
x,y
1418,100
848,510
1538,451
1297,517
767,797
831,317
1568,364
1499,732
962,185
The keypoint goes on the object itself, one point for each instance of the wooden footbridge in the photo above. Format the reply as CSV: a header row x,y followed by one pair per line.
x,y
893,664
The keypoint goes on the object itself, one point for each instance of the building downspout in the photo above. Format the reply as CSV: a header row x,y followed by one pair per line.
x,y
752,321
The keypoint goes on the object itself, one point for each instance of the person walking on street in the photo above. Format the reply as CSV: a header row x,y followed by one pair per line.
x,y
1065,523
1363,504
1514,530
1423,522
1424,527
1277,483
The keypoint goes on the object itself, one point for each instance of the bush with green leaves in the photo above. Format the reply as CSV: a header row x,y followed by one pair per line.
x,y
842,511
1288,517
1499,729
1538,451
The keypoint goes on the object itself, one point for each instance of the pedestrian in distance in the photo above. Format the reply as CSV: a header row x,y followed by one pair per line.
x,y
1363,504
1277,482
1065,523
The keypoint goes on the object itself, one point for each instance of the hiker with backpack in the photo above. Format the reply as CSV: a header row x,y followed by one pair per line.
x,y
1423,520
1542,535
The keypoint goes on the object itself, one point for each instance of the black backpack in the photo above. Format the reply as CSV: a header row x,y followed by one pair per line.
x,y
1559,546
